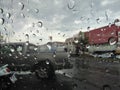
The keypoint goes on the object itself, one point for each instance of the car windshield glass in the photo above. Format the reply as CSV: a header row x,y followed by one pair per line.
x,y
59,44
7,48
19,48
32,49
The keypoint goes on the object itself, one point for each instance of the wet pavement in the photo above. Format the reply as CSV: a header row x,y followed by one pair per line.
x,y
66,79
30,82
61,82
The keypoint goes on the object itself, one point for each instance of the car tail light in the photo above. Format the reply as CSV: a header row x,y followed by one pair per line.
x,y
7,69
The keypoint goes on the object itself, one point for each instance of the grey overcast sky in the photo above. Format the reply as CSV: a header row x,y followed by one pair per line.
x,y
60,19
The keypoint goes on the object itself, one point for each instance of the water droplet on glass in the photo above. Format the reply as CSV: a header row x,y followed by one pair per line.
x,y
26,35
71,4
63,35
25,57
37,31
40,39
34,35
28,10
39,24
54,55
64,73
47,62
75,85
27,43
110,24
36,10
97,20
13,64
21,5
35,58
12,50
20,53
106,15
11,20
16,56
5,29
35,49
10,54
2,21
8,15
20,40
33,24
28,55
1,10
22,15
88,28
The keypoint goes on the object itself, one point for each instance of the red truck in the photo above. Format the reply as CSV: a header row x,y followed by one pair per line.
x,y
103,38
106,34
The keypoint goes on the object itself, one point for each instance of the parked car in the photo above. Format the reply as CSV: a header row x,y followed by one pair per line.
x,y
25,56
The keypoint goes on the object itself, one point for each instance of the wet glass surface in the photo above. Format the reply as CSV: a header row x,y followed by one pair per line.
x,y
59,44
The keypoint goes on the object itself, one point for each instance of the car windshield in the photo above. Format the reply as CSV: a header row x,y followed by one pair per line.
x,y
10,48
60,44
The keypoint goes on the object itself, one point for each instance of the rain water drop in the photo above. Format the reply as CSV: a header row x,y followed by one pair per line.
x,y
1,10
36,10
21,5
2,21
39,24
8,15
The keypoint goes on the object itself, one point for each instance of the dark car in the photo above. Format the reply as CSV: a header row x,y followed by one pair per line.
x,y
22,56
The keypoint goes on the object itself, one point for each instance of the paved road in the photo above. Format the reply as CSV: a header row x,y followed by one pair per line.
x,y
66,79
61,82
30,82
94,72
